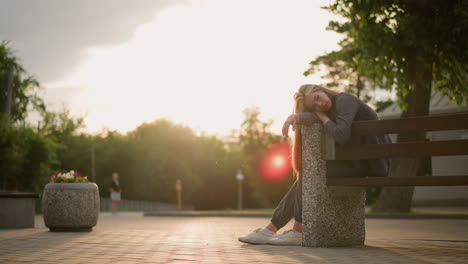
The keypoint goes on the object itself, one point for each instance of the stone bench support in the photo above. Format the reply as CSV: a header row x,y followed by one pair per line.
x,y
332,216
17,209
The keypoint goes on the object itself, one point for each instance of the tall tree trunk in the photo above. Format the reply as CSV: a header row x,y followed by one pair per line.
x,y
359,86
398,199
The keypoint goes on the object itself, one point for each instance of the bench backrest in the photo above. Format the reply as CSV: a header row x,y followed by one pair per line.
x,y
457,121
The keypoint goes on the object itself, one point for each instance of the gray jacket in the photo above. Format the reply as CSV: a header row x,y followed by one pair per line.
x,y
346,109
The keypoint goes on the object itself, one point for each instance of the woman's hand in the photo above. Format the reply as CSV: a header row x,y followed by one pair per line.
x,y
323,117
290,121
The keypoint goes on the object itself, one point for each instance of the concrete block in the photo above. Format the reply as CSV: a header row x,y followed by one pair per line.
x,y
17,212
332,216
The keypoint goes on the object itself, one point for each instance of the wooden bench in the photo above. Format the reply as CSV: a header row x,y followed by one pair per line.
x,y
17,209
401,150
333,208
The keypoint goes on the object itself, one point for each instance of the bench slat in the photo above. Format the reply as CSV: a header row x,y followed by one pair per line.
x,y
18,195
402,150
411,124
399,181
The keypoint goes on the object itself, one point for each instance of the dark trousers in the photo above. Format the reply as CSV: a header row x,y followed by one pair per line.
x,y
291,205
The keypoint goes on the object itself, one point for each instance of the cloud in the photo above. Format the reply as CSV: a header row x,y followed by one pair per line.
x,y
200,62
51,35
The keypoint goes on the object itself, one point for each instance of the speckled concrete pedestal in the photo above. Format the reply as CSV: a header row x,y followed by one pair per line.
x,y
17,209
70,206
332,216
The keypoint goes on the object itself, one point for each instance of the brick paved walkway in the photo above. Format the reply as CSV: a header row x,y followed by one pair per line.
x,y
132,238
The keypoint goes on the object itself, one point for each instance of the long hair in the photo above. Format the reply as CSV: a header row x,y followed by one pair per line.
x,y
299,96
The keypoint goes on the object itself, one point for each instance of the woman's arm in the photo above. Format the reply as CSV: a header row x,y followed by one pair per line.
x,y
304,118
346,107
323,117
307,118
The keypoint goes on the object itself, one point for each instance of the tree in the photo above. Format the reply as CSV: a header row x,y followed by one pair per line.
x,y
342,67
343,70
215,166
149,159
73,149
254,139
152,157
413,47
24,86
26,157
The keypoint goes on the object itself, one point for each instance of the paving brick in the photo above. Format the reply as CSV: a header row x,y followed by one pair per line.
x,y
132,238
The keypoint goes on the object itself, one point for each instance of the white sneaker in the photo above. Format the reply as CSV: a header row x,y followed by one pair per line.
x,y
288,238
256,237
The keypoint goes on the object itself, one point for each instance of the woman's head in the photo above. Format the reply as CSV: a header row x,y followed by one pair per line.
x,y
313,98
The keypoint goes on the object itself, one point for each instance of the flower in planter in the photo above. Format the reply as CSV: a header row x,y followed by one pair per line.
x,y
71,176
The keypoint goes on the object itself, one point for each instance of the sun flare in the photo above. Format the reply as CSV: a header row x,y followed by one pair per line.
x,y
278,161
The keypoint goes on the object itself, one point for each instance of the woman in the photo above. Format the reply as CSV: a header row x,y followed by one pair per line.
x,y
336,111
115,192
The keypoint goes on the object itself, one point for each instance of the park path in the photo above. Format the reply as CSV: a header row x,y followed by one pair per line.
x,y
133,238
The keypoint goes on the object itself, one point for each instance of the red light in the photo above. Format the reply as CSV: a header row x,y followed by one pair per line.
x,y
276,162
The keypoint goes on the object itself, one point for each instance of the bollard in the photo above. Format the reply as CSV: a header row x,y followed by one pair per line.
x,y
332,216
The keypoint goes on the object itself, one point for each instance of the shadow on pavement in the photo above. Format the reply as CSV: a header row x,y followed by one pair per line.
x,y
54,240
359,254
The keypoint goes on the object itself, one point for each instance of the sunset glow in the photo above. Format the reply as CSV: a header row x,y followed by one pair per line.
x,y
198,58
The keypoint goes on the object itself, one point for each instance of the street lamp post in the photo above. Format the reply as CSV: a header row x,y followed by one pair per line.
x,y
239,178
178,187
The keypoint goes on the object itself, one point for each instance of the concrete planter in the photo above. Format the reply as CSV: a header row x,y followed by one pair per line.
x,y
70,206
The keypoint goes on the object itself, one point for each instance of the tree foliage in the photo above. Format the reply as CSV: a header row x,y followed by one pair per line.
x,y
343,67
414,47
152,157
149,159
26,157
25,86
404,44
254,139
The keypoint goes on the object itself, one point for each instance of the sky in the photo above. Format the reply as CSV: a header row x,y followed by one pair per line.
x,y
198,63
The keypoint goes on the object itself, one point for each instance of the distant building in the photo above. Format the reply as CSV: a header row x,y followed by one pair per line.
x,y
441,166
